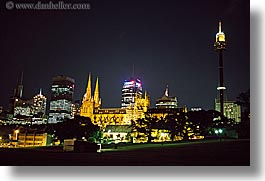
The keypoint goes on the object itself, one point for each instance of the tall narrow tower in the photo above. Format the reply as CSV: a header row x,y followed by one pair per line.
x,y
220,46
88,95
20,87
90,102
97,99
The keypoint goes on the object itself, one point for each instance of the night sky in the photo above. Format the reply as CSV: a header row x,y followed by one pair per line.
x,y
167,41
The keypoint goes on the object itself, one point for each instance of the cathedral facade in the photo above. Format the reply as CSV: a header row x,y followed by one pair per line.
x,y
91,107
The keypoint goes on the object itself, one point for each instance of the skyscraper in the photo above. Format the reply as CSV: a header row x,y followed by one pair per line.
x,y
18,93
130,89
61,99
39,104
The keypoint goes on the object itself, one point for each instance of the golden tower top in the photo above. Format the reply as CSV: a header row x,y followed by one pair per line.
x,y
220,36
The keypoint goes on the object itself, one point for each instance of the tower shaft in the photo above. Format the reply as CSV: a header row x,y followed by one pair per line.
x,y
220,46
221,81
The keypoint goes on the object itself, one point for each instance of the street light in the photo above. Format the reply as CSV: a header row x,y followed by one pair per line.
x,y
16,131
218,132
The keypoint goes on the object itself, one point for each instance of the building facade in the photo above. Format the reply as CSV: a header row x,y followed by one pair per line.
x,y
91,107
61,99
166,101
39,104
18,93
130,89
231,110
24,138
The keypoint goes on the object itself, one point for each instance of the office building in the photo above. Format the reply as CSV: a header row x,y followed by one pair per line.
x,y
231,110
131,88
18,93
61,99
39,104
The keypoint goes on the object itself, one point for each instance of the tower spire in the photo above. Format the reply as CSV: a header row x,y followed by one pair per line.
x,y
88,89
220,26
96,92
96,95
21,78
166,91
133,71
40,91
20,87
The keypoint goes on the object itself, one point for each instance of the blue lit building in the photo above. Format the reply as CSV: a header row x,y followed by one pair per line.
x,y
130,89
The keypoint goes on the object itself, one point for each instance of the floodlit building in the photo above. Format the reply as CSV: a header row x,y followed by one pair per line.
x,y
166,101
130,89
25,138
23,107
91,107
76,108
231,110
39,104
61,99
196,109
117,133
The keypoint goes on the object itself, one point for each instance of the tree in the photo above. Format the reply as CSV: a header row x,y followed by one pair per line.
x,y
145,126
244,127
78,128
172,125
244,100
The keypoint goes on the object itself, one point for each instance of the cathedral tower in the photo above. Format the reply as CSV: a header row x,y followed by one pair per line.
x,y
97,100
90,103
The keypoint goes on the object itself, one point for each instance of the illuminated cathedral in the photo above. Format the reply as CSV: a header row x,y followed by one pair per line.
x,y
91,107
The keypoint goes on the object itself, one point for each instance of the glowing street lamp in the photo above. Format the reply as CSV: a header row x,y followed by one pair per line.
x,y
16,132
218,132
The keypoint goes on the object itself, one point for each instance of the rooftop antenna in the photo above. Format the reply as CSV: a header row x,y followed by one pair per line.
x,y
133,71
21,78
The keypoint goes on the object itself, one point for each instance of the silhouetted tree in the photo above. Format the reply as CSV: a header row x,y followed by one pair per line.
x,y
172,125
75,128
244,127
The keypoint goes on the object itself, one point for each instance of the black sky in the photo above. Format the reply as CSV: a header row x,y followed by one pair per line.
x,y
168,41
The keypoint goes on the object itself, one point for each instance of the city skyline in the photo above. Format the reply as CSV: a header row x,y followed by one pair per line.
x,y
168,43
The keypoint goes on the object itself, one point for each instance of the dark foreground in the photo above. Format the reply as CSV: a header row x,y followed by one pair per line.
x,y
228,152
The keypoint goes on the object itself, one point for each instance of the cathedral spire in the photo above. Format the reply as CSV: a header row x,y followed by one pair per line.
x,y
88,89
96,94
